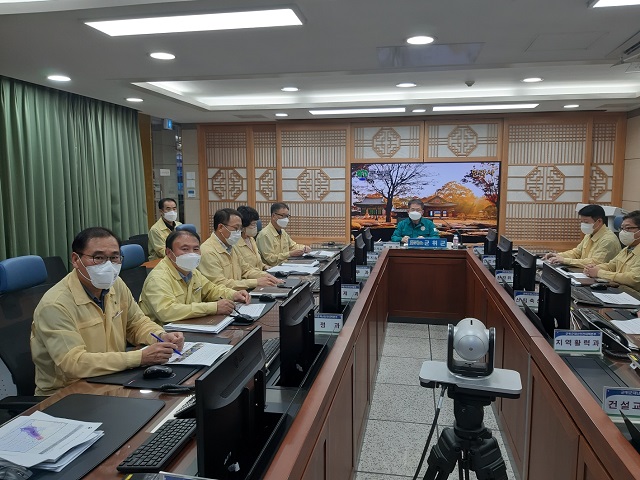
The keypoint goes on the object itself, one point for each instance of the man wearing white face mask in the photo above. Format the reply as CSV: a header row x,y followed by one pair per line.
x,y
160,230
416,226
599,244
220,261
175,290
83,323
275,245
625,267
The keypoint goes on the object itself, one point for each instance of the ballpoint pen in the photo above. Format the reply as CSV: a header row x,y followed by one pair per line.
x,y
162,341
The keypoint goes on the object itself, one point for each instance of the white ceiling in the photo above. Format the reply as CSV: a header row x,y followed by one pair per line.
x,y
335,57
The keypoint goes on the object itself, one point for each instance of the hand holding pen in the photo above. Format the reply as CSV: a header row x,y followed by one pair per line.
x,y
160,340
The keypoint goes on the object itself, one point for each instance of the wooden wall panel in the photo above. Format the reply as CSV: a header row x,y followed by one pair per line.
x,y
265,172
473,140
393,141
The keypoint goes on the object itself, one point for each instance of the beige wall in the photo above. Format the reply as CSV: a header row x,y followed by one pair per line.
x,y
631,188
190,164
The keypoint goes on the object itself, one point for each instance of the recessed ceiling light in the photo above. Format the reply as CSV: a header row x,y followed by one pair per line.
x,y
355,111
613,3
162,56
282,114
572,106
289,89
532,80
198,23
406,85
59,78
420,40
419,110
512,106
134,100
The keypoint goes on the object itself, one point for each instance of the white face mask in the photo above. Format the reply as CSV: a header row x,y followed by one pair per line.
x,y
234,237
627,238
251,231
415,215
170,216
282,222
103,276
587,228
188,261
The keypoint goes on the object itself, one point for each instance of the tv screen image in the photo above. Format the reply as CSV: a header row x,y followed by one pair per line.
x,y
459,197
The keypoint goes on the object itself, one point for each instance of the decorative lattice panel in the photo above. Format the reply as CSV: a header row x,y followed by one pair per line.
x,y
466,141
265,174
601,175
547,143
313,180
531,222
401,141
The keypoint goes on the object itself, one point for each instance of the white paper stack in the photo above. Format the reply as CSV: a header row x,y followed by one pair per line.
x,y
45,442
322,253
199,353
616,298
202,328
298,269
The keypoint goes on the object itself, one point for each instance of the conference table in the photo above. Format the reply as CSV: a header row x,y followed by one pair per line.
x,y
555,430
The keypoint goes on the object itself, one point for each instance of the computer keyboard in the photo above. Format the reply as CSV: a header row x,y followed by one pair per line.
x,y
271,347
188,409
584,295
587,316
159,450
315,285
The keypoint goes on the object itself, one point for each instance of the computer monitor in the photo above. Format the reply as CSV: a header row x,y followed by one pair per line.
x,y
297,336
368,239
348,265
491,242
330,288
361,250
232,425
504,254
554,305
524,270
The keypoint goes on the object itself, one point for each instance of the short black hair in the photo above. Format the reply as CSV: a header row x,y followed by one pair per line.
x,y
248,215
633,216
278,206
163,200
593,211
81,239
223,215
179,233
415,201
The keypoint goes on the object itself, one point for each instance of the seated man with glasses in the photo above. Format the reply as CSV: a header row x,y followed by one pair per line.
x,y
222,264
83,323
625,267
274,243
175,290
416,226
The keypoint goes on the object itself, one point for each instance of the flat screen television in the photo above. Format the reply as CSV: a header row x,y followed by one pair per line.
x,y
330,288
524,270
554,305
504,254
348,265
361,250
232,426
491,242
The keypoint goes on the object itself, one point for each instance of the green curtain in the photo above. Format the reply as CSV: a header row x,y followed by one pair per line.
x,y
67,162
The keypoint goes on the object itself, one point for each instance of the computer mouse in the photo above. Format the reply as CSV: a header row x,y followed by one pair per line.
x,y
279,274
598,286
267,297
157,371
242,320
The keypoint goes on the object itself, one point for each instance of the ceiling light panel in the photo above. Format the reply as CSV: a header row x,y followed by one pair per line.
x,y
613,3
198,23
356,111
459,108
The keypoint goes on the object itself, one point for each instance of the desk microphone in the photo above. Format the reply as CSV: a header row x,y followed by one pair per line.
x,y
241,318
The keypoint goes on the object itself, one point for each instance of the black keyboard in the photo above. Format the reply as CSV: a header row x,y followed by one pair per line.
x,y
586,315
315,285
161,447
584,295
188,409
271,347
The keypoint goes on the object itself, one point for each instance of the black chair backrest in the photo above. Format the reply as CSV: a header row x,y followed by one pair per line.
x,y
56,269
16,316
134,279
142,240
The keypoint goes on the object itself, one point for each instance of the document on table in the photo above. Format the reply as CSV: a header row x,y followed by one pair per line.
x,y
577,275
252,310
37,438
300,263
207,325
299,269
616,298
628,326
322,253
199,353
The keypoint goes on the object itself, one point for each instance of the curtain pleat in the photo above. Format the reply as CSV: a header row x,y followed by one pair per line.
x,y
66,163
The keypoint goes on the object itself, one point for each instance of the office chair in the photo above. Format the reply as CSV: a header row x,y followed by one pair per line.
x,y
142,240
133,273
617,222
259,224
22,285
187,226
56,269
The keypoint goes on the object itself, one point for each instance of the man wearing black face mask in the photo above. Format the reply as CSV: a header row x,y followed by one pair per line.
x,y
83,323
625,267
416,226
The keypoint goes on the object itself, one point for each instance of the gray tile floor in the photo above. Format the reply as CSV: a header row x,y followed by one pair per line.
x,y
402,411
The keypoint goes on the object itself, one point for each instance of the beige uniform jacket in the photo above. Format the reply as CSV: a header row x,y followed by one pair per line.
x,y
225,268
623,269
600,247
247,250
158,234
72,338
166,297
274,247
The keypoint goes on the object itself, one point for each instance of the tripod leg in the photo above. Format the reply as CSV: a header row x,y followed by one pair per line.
x,y
486,460
443,457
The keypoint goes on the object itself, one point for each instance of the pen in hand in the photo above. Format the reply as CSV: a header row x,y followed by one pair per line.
x,y
162,341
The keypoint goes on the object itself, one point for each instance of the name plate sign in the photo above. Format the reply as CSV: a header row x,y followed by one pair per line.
x,y
489,260
349,291
427,243
372,257
328,322
478,250
362,272
504,276
625,400
587,342
523,297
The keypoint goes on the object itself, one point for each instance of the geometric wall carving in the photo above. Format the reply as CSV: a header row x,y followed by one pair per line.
x,y
227,184
471,140
266,185
462,141
544,183
389,141
598,183
386,142
313,184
